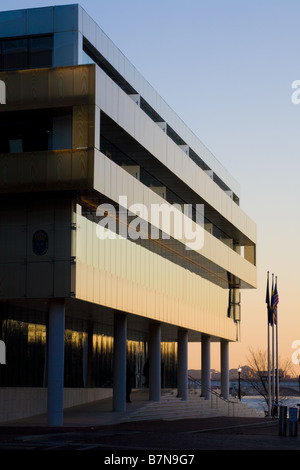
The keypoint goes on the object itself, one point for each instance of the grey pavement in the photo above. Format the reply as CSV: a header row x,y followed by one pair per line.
x,y
96,427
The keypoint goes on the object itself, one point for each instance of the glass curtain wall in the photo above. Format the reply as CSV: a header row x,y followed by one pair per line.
x,y
88,352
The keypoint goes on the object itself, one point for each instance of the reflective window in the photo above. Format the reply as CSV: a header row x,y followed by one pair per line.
x,y
40,52
24,53
33,131
14,54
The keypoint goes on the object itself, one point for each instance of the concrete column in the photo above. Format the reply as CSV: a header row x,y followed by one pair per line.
x,y
225,369
205,368
56,337
182,375
119,373
154,362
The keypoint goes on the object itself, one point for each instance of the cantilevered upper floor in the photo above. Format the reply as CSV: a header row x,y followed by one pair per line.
x,y
73,128
94,133
67,35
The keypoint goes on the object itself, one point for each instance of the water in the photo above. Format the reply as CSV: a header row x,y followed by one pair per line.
x,y
258,402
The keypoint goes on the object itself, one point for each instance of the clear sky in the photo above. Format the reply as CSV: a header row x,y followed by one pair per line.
x,y
226,67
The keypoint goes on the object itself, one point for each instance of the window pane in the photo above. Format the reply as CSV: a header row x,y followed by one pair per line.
x,y
25,131
15,54
40,52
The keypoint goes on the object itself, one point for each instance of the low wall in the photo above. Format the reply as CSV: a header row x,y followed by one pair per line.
x,y
23,402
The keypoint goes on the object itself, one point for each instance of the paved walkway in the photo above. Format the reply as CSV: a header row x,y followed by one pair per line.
x,y
97,413
96,427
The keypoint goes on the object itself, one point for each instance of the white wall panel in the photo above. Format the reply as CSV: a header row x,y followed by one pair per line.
x,y
213,249
132,278
146,132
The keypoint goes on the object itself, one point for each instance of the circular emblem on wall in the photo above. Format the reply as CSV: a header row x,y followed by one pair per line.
x,y
40,242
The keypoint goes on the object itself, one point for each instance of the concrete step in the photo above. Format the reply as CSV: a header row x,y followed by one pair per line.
x,y
171,408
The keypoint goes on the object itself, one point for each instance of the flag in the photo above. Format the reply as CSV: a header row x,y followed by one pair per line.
x,y
272,300
275,303
270,316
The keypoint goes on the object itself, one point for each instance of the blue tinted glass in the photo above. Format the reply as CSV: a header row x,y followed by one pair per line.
x,y
40,52
14,54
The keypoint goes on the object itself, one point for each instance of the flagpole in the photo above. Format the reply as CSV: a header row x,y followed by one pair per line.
x,y
277,364
273,365
277,370
269,369
273,346
269,373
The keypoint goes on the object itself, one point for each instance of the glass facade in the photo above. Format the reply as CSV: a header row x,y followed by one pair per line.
x,y
24,334
35,130
26,53
24,132
88,352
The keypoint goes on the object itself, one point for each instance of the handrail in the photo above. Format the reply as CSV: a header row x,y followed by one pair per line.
x,y
213,392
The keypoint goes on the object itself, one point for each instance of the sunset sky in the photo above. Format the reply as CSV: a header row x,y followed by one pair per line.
x,y
226,67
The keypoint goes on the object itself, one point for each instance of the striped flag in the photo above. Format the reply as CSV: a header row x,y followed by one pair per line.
x,y
275,303
272,300
270,316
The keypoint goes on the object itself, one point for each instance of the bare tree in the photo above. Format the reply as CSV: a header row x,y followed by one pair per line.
x,y
257,374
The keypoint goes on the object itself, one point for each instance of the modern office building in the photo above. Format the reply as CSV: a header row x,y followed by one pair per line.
x,y
122,236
